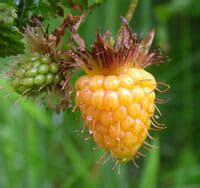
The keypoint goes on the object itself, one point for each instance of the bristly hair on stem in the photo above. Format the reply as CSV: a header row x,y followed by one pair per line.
x,y
129,50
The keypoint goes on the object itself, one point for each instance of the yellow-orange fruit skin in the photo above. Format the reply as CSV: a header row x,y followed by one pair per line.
x,y
117,109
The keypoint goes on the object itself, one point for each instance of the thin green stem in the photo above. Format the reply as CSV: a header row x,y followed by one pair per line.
x,y
130,13
131,9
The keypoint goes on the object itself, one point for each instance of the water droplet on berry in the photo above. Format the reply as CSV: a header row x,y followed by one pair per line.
x,y
89,118
90,132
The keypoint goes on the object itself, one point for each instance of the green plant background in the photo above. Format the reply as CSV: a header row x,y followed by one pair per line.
x,y
40,149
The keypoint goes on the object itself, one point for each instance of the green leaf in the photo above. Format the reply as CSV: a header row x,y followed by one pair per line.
x,y
41,9
175,7
25,10
10,37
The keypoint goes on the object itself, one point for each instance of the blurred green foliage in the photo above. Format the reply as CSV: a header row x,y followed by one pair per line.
x,y
42,149
10,37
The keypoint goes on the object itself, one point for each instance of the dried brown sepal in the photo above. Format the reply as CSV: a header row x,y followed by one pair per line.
x,y
36,40
128,51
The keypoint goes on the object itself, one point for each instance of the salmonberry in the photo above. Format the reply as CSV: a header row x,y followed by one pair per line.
x,y
117,96
118,109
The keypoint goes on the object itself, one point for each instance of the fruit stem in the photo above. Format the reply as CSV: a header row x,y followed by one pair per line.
x,y
131,10
73,22
130,13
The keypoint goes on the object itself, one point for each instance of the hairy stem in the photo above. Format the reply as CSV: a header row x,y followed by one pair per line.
x,y
129,14
72,22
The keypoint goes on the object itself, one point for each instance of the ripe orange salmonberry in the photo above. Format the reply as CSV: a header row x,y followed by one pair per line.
x,y
118,109
117,96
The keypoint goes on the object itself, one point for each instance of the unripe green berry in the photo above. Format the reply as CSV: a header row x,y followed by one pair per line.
x,y
34,58
57,79
21,89
54,68
28,82
38,71
43,69
112,41
36,64
49,78
44,59
39,79
32,72
20,73
27,66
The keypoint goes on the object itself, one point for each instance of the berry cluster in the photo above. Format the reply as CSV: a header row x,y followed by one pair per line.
x,y
36,74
